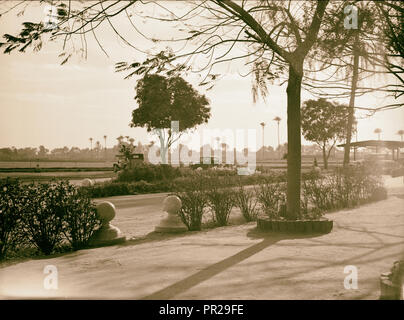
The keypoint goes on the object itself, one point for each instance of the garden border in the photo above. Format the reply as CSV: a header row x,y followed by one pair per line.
x,y
322,226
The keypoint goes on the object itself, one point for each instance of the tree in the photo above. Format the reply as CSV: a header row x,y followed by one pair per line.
x,y
42,152
278,35
263,137
126,153
278,120
164,99
401,134
105,142
392,13
352,55
324,123
378,131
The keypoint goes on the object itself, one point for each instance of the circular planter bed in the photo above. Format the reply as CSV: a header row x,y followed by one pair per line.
x,y
392,283
297,226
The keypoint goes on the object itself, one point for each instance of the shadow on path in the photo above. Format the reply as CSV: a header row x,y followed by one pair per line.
x,y
214,269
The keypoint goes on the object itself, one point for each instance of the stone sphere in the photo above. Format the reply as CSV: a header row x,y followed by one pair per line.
x,y
87,183
199,169
106,211
317,169
172,204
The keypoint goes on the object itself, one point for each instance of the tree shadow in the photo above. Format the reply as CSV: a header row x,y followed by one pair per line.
x,y
183,285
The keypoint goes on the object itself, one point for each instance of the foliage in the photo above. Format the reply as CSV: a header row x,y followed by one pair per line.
x,y
110,189
194,200
174,183
45,215
221,200
345,187
126,154
246,201
10,214
164,99
324,123
271,196
149,172
80,217
393,29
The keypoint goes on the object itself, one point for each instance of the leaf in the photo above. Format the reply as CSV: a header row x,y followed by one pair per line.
x,y
65,60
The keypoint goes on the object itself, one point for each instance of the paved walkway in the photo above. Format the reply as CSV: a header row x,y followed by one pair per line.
x,y
236,262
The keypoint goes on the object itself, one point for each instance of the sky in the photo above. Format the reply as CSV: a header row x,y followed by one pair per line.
x,y
44,103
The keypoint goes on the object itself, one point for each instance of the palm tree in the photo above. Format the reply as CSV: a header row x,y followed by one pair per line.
x,y
105,142
401,134
91,143
378,131
120,138
98,146
263,128
278,119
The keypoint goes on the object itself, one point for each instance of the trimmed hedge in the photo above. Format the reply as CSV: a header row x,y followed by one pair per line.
x,y
187,177
149,173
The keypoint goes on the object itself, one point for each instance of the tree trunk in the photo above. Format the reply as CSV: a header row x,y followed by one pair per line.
x,y
163,150
351,114
294,141
325,158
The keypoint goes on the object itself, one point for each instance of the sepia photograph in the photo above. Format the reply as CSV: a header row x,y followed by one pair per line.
x,y
203,154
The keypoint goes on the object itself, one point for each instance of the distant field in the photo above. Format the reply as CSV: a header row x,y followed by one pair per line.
x,y
46,176
56,164
282,164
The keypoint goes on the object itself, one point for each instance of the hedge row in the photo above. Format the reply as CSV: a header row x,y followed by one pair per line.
x,y
341,188
119,188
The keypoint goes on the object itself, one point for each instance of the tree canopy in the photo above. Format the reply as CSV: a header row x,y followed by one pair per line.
x,y
324,123
164,99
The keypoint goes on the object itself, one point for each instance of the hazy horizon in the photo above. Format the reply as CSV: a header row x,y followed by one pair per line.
x,y
44,103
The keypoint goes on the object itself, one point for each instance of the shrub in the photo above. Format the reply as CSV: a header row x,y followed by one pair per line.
x,y
271,196
220,199
194,200
10,215
108,189
43,215
246,201
148,172
54,212
319,192
80,217
343,188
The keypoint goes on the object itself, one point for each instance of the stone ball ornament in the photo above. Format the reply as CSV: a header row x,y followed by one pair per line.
x,y
172,222
172,204
107,234
106,211
87,183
